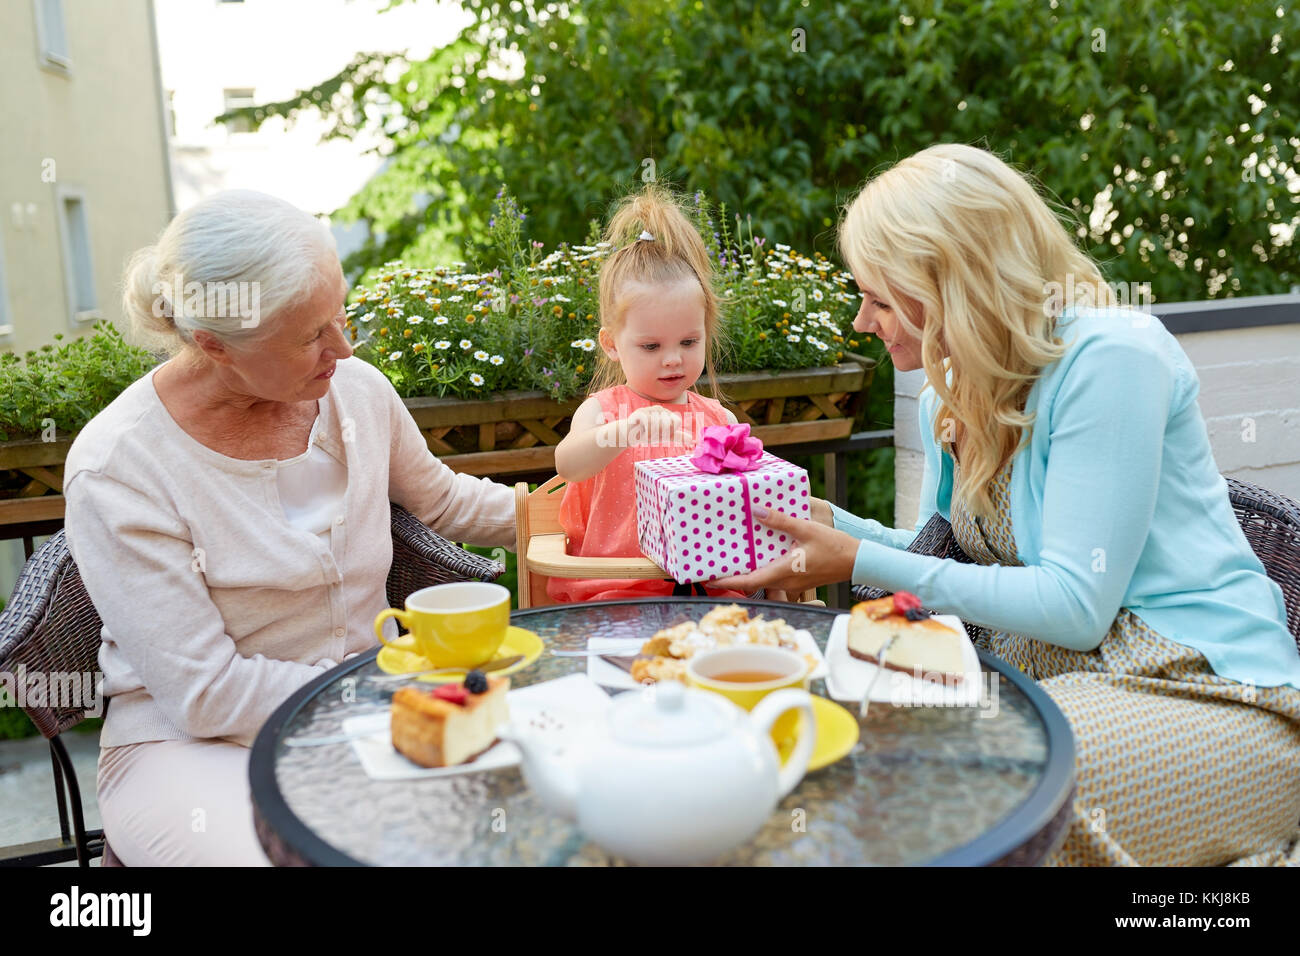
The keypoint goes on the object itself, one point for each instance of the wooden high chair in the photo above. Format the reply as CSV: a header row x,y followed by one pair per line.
x,y
541,548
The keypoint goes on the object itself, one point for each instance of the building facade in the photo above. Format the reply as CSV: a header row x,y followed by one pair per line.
x,y
84,176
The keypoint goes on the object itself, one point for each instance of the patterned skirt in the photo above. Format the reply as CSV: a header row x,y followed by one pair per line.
x,y
1176,766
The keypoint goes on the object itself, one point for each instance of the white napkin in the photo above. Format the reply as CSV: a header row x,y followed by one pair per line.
x,y
571,701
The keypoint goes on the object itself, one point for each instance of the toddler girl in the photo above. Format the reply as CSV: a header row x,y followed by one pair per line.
x,y
659,331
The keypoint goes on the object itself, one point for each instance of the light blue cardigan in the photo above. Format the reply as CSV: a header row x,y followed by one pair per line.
x,y
1132,513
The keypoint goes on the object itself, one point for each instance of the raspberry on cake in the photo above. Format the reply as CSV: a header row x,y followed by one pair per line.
x,y
452,724
922,645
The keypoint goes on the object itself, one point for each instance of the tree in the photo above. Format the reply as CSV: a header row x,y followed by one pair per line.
x,y
1170,131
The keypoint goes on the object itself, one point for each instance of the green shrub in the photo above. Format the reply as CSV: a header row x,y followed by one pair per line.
x,y
68,385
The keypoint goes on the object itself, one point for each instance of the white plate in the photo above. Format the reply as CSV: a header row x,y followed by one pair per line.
x,y
607,675
570,702
850,677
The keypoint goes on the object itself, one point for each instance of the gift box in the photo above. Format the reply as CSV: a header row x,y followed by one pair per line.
x,y
695,512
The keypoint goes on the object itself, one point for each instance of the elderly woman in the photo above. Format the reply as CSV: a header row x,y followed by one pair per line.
x,y
229,514
1065,446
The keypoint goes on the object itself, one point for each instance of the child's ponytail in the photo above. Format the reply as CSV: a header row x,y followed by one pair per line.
x,y
654,242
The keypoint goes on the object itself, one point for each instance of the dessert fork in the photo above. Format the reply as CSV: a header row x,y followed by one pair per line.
x,y
871,685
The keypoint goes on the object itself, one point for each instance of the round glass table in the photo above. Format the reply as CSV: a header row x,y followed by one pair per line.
x,y
952,786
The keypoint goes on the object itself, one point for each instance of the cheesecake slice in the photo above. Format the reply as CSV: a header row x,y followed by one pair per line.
x,y
923,647
452,724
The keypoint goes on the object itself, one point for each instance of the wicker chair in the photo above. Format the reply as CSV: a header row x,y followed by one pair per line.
x,y
50,625
1271,523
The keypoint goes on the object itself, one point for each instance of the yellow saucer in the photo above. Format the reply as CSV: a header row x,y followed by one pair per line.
x,y
403,659
837,732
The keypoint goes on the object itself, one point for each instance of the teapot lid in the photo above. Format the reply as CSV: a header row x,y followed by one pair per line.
x,y
666,714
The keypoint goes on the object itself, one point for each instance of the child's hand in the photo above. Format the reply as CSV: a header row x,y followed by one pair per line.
x,y
653,425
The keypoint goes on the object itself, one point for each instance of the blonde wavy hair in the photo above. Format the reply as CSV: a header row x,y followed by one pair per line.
x,y
965,249
677,252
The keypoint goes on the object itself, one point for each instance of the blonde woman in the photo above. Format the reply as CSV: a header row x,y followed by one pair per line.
x,y
1064,443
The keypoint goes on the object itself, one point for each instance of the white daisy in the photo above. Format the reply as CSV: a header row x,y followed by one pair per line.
x,y
414,320
779,303
394,356
439,320
454,298
481,355
367,317
781,248
585,344
475,378
821,346
796,328
497,360
792,338
466,344
442,344
817,295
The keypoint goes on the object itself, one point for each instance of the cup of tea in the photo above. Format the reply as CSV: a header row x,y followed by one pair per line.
x,y
747,674
453,625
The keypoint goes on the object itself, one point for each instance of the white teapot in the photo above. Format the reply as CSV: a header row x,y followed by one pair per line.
x,y
675,776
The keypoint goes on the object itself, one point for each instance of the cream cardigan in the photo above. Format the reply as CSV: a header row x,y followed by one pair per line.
x,y
215,607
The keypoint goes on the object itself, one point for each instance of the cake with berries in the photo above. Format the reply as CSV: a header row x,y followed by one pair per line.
x,y
921,645
451,724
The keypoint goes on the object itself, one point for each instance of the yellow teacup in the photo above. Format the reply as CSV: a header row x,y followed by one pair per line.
x,y
454,625
736,673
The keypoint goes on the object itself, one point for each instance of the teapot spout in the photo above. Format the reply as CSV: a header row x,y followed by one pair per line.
x,y
551,772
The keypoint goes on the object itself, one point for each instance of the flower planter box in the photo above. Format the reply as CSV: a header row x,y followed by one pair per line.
x,y
517,432
31,479
514,432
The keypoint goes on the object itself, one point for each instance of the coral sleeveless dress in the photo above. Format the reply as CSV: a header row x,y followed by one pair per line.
x,y
599,515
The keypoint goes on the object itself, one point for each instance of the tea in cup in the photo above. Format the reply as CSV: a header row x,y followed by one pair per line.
x,y
747,674
453,625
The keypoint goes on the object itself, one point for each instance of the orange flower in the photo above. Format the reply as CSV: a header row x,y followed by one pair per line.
x,y
406,334
579,369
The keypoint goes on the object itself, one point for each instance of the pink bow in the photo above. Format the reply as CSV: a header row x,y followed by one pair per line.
x,y
727,448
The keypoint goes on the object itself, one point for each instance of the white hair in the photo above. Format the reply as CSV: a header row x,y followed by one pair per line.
x,y
250,254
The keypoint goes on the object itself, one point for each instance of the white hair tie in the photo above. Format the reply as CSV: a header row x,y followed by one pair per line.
x,y
645,234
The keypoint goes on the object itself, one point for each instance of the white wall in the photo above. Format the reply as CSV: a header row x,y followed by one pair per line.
x,y
1251,373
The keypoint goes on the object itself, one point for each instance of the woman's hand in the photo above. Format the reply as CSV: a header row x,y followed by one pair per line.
x,y
818,555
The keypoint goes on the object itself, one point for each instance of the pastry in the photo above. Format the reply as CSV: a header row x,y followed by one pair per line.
x,y
664,656
922,646
451,724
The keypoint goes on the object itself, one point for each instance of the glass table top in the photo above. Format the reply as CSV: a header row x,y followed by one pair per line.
x,y
920,785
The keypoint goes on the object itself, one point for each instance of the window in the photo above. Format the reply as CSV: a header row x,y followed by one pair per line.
x,y
51,35
79,273
6,320
235,99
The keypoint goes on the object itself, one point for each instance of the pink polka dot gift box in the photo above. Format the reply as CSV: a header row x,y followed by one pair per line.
x,y
695,512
